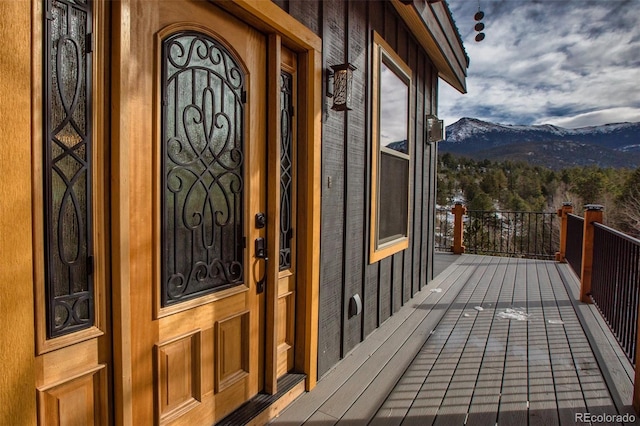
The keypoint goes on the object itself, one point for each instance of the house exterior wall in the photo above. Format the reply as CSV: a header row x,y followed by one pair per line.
x,y
346,28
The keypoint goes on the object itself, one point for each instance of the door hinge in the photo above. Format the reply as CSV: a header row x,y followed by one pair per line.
x,y
243,97
90,43
243,242
291,111
89,265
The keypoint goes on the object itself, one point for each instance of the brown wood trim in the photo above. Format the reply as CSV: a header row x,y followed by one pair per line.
x,y
121,128
309,172
380,46
268,17
16,263
37,187
273,212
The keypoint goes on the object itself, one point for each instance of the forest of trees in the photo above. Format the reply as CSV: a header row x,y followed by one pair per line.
x,y
519,186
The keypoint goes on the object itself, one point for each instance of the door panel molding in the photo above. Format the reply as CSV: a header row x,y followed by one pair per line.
x,y
179,376
78,399
232,350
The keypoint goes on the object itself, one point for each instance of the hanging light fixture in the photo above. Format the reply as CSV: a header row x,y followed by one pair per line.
x,y
479,24
342,76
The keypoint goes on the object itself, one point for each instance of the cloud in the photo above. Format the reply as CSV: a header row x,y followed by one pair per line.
x,y
565,61
612,115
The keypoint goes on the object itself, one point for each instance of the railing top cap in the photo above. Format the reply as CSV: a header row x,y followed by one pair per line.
x,y
567,204
593,207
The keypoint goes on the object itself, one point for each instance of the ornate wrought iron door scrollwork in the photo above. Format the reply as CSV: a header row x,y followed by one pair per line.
x,y
203,166
68,166
286,169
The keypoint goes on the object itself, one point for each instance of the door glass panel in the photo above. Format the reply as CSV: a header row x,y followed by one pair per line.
x,y
68,166
286,169
203,161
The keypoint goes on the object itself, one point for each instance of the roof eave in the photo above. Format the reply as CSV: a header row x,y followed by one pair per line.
x,y
433,27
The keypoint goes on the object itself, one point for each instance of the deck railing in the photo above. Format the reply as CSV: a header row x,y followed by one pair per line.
x,y
532,235
575,227
609,272
615,283
498,233
444,229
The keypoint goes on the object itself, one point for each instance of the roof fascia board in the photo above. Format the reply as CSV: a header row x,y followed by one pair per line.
x,y
426,27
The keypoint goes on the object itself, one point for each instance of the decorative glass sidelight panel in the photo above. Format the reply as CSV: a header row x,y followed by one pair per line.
x,y
286,169
67,166
202,170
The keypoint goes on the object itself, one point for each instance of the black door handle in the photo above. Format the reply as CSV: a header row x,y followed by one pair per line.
x,y
261,253
261,248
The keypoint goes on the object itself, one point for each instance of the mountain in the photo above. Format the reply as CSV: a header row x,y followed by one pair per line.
x,y
400,146
611,145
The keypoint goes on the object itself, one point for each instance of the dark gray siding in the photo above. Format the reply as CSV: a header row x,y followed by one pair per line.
x,y
346,28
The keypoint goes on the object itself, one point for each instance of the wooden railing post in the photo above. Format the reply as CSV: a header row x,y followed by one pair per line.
x,y
458,211
563,212
592,213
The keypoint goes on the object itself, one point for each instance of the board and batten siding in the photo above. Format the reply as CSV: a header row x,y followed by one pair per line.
x,y
346,29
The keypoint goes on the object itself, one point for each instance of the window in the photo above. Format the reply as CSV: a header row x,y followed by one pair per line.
x,y
203,166
68,167
286,170
391,152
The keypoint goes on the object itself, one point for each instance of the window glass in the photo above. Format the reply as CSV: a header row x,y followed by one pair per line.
x,y
68,167
286,170
391,153
394,104
203,163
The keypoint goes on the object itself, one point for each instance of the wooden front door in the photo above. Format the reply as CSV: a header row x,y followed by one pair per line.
x,y
198,185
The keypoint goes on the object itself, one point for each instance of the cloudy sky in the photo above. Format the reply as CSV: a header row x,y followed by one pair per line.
x,y
572,63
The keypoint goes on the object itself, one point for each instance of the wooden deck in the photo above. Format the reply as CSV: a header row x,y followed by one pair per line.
x,y
450,358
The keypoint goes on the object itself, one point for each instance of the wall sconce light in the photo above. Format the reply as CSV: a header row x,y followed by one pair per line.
x,y
339,86
435,129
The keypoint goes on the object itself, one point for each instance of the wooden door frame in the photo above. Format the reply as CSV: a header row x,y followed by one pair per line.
x,y
270,19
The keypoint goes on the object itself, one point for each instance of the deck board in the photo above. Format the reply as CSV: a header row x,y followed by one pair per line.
x,y
486,397
513,395
454,407
440,361
454,334
543,408
569,398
